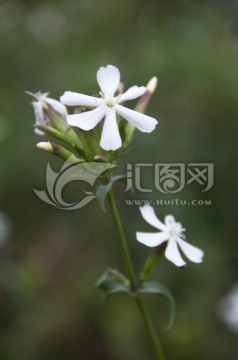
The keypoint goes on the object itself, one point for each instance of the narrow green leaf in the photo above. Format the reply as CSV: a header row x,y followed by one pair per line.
x,y
110,286
119,277
154,287
102,192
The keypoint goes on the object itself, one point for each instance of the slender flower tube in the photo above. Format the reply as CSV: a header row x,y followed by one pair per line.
x,y
172,232
107,107
41,102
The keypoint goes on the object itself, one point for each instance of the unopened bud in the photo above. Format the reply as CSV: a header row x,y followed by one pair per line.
x,y
145,99
58,119
152,85
152,261
45,146
50,131
73,141
59,151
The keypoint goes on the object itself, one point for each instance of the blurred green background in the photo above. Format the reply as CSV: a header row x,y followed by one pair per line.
x,y
49,307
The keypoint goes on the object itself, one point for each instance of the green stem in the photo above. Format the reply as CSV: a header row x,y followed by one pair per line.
x,y
130,270
150,328
122,239
152,261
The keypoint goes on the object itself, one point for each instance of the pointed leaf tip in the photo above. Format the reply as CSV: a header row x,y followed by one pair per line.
x,y
154,287
110,286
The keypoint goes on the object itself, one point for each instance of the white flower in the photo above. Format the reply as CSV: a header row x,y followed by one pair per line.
x,y
172,232
228,309
41,99
107,107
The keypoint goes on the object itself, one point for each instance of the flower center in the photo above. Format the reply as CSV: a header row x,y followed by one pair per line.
x,y
110,103
175,231
172,232
109,100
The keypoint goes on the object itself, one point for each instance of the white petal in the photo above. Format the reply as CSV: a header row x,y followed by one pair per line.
x,y
108,79
151,239
173,255
179,228
110,139
39,114
38,132
142,122
149,215
87,120
132,93
75,99
170,221
57,106
192,253
39,96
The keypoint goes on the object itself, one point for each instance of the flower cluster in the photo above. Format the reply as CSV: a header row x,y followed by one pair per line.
x,y
53,119
107,107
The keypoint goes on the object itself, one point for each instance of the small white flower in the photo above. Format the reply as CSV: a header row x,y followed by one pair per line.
x,y
228,309
172,232
38,105
107,107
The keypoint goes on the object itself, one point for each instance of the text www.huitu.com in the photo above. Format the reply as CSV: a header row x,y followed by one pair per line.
x,y
169,202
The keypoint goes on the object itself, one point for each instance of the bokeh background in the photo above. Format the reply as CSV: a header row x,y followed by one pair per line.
x,y
50,259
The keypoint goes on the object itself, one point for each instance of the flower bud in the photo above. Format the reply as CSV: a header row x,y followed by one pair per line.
x,y
58,150
140,107
152,85
58,120
152,261
45,146
69,140
145,99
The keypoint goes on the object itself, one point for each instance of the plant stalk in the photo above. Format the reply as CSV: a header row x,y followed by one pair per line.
x,y
131,273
